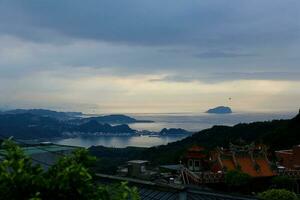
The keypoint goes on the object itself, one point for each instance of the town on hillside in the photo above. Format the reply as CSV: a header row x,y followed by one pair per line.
x,y
237,172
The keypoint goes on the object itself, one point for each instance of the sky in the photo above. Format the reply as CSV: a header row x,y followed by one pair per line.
x,y
158,56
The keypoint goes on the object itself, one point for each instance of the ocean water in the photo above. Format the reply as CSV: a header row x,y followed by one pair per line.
x,y
189,121
196,122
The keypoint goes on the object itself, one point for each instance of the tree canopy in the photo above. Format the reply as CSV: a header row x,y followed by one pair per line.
x,y
237,178
69,178
278,194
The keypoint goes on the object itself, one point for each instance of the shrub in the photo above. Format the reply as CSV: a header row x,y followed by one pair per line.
x,y
69,178
237,178
277,194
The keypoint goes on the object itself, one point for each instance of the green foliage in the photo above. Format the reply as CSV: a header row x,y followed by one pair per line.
x,y
237,178
277,194
69,178
283,182
18,176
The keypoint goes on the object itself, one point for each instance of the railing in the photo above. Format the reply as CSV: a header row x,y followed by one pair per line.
x,y
190,177
290,173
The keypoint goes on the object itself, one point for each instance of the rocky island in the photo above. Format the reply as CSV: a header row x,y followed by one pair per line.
x,y
220,110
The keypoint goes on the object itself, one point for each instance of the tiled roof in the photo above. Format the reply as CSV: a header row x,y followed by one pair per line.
x,y
155,191
152,194
190,194
196,148
247,166
265,169
228,164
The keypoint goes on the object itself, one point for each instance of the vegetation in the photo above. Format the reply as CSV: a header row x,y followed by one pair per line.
x,y
69,178
283,182
277,194
237,178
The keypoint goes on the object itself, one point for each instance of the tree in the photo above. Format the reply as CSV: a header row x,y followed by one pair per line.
x,y
69,178
237,178
283,182
278,194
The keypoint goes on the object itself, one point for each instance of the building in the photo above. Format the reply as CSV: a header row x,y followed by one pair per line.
x,y
149,190
290,158
196,159
204,167
249,159
137,169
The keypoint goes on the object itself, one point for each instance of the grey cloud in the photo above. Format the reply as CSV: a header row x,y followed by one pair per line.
x,y
219,54
231,76
200,23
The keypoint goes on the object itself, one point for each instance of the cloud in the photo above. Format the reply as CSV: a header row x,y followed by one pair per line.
x,y
197,23
231,76
219,54
50,49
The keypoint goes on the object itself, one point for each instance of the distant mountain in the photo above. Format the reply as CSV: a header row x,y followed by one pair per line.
x,y
45,113
220,110
115,119
95,127
174,131
30,126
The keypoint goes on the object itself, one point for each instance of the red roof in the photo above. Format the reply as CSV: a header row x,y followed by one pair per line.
x,y
196,148
247,166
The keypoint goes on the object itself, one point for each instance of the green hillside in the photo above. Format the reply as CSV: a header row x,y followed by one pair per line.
x,y
277,134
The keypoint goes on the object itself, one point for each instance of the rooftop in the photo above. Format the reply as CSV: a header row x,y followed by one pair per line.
x,y
44,148
157,191
137,161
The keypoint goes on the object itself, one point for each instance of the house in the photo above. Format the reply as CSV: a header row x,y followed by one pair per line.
x,y
137,169
196,159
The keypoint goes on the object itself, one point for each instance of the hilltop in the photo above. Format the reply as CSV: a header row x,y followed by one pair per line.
x,y
115,119
45,113
30,126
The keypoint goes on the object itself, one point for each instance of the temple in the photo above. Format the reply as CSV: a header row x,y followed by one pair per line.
x,y
202,166
249,159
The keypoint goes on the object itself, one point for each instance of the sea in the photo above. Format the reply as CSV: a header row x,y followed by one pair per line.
x,y
193,122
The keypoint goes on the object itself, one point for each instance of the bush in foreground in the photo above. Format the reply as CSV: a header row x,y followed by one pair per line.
x,y
237,178
69,178
278,194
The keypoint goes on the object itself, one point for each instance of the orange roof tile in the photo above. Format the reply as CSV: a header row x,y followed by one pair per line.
x,y
228,164
196,148
265,169
247,167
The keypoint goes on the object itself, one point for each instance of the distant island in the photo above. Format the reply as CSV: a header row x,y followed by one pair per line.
x,y
174,131
45,113
220,110
46,124
116,119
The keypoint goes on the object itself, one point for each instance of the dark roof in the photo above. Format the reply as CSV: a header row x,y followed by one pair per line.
x,y
156,191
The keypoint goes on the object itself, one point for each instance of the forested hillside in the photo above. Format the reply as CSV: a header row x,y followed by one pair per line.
x,y
277,134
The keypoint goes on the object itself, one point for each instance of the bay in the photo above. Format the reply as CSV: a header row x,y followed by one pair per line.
x,y
189,121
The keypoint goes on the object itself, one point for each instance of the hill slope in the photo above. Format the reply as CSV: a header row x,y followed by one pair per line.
x,y
277,134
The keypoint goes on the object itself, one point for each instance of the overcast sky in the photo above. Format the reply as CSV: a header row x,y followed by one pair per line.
x,y
136,56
